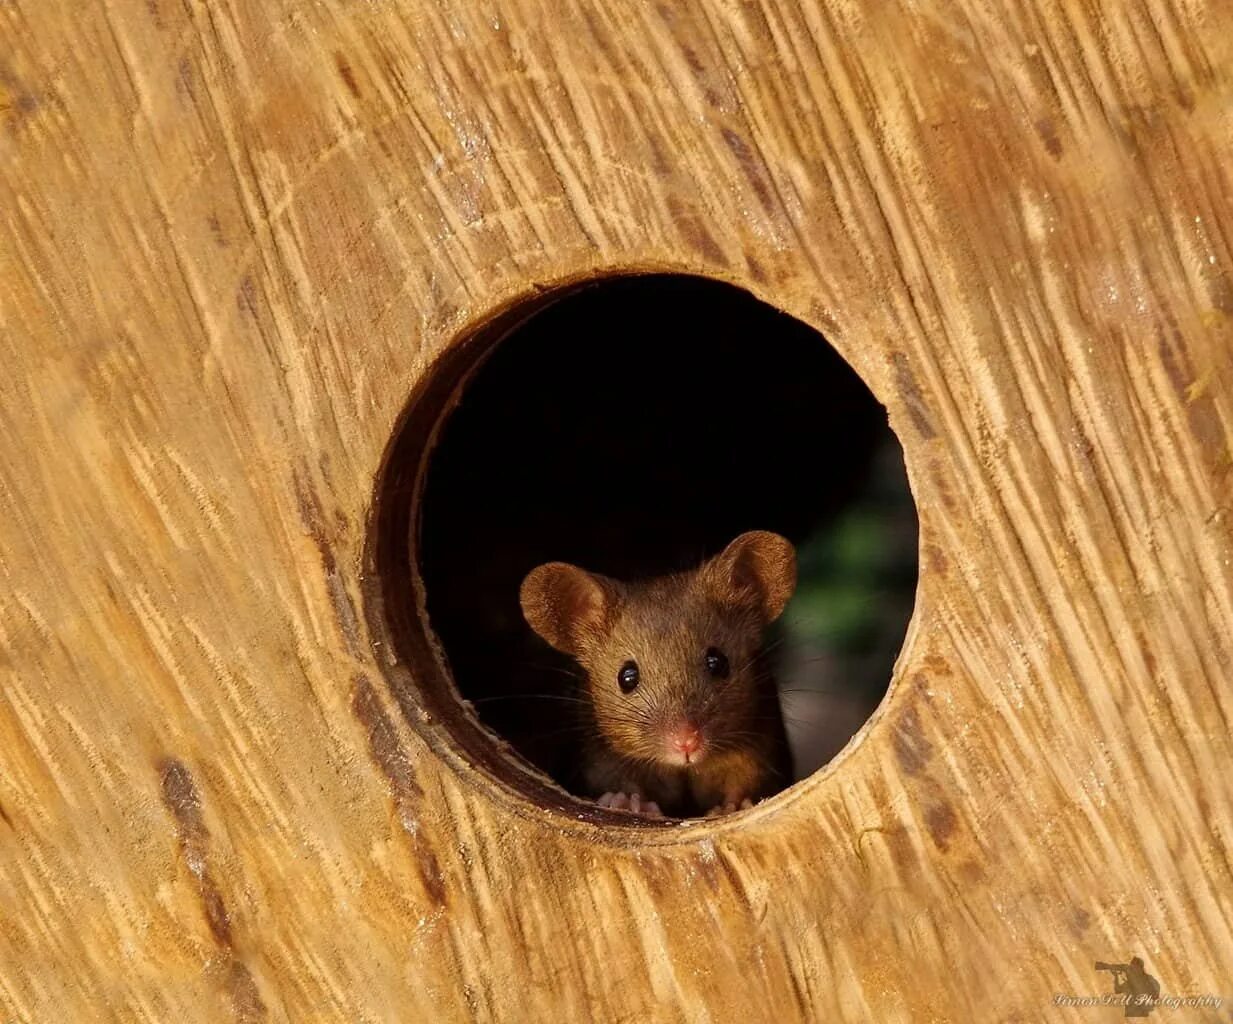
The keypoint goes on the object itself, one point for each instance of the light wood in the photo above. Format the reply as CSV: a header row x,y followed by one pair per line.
x,y
234,237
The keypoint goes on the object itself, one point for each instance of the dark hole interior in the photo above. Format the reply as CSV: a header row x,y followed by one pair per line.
x,y
634,427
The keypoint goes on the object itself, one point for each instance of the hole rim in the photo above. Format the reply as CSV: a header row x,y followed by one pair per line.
x,y
418,676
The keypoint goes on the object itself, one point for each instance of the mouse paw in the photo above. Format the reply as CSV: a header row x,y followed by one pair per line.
x,y
730,807
630,802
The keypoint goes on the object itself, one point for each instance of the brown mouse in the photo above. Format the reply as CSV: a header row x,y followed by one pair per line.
x,y
686,718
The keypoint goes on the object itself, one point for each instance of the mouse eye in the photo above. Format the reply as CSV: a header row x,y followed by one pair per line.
x,y
717,663
628,676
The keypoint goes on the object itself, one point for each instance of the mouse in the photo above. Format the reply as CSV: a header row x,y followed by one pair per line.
x,y
683,714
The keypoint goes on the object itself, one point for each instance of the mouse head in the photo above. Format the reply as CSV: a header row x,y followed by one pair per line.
x,y
670,663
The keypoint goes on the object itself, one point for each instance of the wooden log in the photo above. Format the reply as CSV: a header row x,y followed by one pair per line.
x,y
234,238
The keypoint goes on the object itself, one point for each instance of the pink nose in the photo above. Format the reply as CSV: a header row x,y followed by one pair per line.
x,y
685,739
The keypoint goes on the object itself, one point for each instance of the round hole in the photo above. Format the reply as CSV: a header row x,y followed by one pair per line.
x,y
633,427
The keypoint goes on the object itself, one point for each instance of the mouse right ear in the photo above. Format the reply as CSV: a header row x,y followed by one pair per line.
x,y
567,606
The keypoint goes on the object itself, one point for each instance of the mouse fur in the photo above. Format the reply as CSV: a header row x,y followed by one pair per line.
x,y
701,727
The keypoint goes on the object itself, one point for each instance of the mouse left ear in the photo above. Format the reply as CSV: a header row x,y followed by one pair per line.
x,y
757,570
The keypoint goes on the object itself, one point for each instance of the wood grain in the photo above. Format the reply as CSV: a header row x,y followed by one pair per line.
x,y
234,237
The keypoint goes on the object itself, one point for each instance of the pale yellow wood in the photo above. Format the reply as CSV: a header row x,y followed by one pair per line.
x,y
232,238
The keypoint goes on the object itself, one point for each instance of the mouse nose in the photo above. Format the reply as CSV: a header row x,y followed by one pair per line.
x,y
685,739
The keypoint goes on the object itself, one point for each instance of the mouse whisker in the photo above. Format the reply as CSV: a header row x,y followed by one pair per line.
x,y
800,723
778,642
573,674
797,663
757,755
551,734
532,696
752,661
833,691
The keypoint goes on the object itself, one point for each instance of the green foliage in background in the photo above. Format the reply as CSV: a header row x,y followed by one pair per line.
x,y
856,586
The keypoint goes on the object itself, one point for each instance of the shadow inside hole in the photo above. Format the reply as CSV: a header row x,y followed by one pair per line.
x,y
634,428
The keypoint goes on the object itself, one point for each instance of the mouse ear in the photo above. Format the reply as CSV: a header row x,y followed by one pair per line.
x,y
567,606
757,570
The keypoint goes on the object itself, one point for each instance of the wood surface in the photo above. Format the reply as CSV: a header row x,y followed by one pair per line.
x,y
233,238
